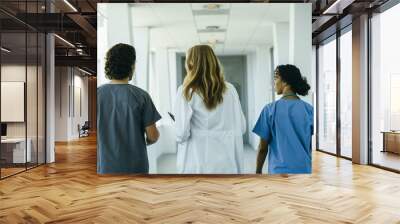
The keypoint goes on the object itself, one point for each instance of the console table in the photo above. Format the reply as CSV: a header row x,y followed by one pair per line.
x,y
13,150
391,141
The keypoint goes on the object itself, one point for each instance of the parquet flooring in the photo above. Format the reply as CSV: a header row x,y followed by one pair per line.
x,y
10,171
70,191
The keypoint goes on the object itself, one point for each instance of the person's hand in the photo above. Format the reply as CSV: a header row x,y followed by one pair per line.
x,y
152,134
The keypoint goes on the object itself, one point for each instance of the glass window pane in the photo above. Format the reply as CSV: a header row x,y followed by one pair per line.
x,y
31,97
23,90
346,94
41,98
386,89
13,87
327,97
32,88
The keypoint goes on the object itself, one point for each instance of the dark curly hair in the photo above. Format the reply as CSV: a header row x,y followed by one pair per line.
x,y
292,76
119,61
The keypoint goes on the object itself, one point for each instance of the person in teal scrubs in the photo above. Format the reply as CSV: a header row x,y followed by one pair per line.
x,y
286,126
126,117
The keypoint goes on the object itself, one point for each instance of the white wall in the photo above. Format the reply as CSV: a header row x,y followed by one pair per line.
x,y
162,81
259,88
252,113
300,42
69,79
61,103
141,44
281,42
173,71
80,83
110,34
162,89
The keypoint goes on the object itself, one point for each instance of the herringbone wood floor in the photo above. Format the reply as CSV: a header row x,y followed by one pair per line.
x,y
70,191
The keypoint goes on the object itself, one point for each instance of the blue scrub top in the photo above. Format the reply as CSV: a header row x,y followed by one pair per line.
x,y
287,126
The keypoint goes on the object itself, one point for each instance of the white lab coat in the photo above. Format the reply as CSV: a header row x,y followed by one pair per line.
x,y
209,141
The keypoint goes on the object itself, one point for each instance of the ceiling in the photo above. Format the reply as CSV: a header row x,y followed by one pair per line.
x,y
231,28
22,48
242,26
74,21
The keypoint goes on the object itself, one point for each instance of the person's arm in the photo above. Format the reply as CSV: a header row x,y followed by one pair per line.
x,y
150,117
262,154
263,130
152,134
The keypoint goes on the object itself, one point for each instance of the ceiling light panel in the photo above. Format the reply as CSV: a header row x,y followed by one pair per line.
x,y
210,6
218,30
210,12
213,42
202,22
205,37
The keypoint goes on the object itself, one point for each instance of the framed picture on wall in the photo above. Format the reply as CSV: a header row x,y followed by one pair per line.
x,y
12,101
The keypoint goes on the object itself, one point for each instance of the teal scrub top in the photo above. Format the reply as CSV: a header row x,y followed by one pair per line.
x,y
123,113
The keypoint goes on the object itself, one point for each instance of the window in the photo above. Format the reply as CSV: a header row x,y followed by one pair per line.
x,y
346,94
327,97
23,79
385,89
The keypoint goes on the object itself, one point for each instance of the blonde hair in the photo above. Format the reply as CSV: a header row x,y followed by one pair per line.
x,y
204,76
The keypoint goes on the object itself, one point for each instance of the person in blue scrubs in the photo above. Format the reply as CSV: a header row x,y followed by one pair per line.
x,y
126,117
286,126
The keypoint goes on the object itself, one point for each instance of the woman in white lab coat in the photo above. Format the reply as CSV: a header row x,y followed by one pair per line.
x,y
209,120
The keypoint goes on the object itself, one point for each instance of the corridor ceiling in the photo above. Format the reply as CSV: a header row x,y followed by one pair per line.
x,y
231,28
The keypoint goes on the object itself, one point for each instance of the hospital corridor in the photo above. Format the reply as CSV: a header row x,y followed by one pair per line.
x,y
248,48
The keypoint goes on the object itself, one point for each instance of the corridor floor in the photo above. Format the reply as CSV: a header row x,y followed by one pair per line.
x,y
167,162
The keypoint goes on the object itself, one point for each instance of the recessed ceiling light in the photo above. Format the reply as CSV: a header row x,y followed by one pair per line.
x,y
214,41
70,5
212,27
84,71
337,7
5,50
212,6
64,40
